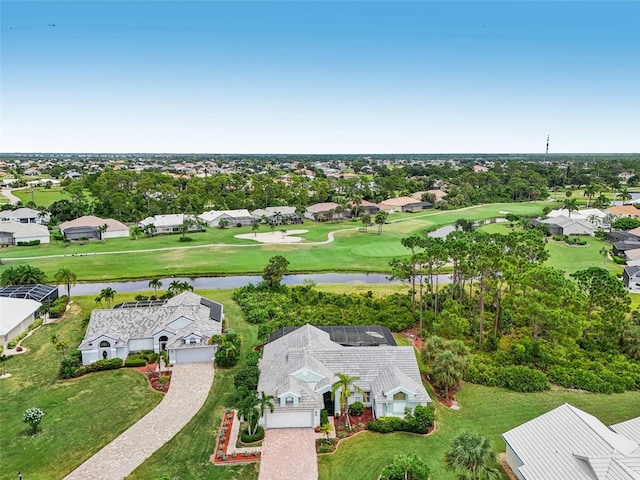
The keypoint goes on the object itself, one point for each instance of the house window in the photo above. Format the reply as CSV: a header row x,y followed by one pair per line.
x,y
192,341
288,401
365,397
104,344
400,396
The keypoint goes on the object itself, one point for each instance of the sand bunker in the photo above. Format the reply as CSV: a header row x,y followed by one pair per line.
x,y
274,237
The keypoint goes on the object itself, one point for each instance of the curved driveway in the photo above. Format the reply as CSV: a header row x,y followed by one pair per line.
x,y
190,385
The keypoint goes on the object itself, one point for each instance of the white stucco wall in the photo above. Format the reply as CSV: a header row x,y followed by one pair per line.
x,y
514,462
115,234
17,330
139,344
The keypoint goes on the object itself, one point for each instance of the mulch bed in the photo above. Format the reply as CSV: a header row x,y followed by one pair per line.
x,y
224,440
151,372
339,426
447,402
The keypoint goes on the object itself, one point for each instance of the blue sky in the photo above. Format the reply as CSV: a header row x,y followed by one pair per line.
x,y
320,77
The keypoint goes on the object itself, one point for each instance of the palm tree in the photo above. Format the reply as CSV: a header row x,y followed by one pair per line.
x,y
595,219
149,230
264,402
135,232
247,410
22,275
177,286
102,229
98,299
624,195
605,253
601,202
108,294
156,284
381,218
447,370
589,191
66,276
571,205
283,231
345,383
472,457
365,218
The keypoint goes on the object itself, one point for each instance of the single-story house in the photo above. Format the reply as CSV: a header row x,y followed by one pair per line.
x,y
621,248
181,325
88,227
624,211
621,235
236,218
24,215
568,443
277,215
13,232
171,223
631,278
567,226
300,367
42,182
404,204
366,207
17,315
324,211
593,215
438,194
46,294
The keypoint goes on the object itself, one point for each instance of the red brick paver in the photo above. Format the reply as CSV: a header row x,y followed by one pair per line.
x,y
289,453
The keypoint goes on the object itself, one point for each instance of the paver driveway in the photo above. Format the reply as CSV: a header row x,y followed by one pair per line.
x,y
190,385
289,453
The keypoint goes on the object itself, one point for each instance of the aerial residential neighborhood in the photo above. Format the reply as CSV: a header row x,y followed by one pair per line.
x,y
310,240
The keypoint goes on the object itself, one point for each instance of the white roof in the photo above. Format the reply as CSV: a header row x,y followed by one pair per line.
x,y
583,214
215,214
15,310
166,220
569,444
20,230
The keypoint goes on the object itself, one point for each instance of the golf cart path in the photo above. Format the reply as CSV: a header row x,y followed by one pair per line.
x,y
190,385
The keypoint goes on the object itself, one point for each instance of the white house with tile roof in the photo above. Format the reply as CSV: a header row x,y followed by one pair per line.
x,y
181,325
299,368
171,223
569,444
236,218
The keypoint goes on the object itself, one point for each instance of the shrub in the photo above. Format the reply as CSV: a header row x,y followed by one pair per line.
x,y
186,239
522,379
325,446
135,361
30,243
256,437
253,358
33,416
324,417
247,377
356,409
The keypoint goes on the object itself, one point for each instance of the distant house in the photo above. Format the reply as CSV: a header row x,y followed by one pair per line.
x,y
622,247
592,215
42,182
181,325
11,233
568,443
324,211
621,235
567,226
300,367
89,228
277,215
366,207
24,215
17,315
236,218
631,278
170,223
625,211
404,204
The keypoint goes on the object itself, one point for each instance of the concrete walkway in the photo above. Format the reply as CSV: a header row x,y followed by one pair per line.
x,y
190,385
13,200
289,453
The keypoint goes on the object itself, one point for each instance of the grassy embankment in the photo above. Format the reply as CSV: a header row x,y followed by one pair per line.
x,y
352,251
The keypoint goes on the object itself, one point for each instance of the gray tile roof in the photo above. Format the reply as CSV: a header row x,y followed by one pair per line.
x,y
380,368
569,444
143,322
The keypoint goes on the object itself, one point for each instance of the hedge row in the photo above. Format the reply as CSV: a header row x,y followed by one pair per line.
x,y
418,421
518,378
30,243
70,368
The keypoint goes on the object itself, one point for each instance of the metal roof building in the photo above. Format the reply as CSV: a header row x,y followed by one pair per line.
x,y
40,293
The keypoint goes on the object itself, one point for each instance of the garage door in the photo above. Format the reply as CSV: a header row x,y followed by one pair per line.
x,y
193,355
292,419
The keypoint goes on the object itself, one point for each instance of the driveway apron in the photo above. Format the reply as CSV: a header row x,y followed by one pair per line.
x,y
190,385
289,453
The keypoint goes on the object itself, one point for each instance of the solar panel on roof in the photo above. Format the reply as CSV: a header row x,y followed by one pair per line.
x,y
348,335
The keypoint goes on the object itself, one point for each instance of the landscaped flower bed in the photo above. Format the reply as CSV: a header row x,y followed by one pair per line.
x,y
225,452
159,381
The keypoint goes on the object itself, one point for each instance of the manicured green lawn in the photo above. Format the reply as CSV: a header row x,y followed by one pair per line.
x,y
43,196
353,250
490,411
568,257
81,415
